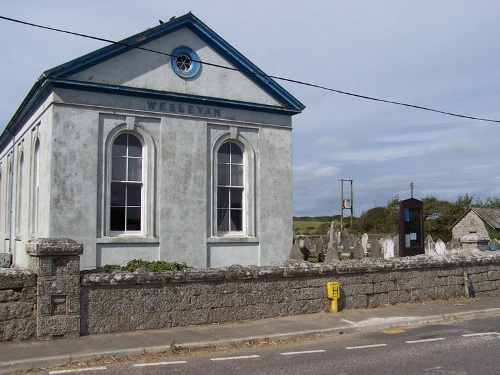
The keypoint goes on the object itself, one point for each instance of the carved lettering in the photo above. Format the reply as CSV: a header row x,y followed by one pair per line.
x,y
154,105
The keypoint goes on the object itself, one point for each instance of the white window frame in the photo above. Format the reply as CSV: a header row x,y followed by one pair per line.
x,y
147,194
35,187
110,181
19,191
249,210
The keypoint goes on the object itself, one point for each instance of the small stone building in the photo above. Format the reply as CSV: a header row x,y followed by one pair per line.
x,y
169,145
471,228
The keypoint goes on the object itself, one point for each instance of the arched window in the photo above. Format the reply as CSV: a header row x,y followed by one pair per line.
x,y
230,188
19,187
126,191
35,188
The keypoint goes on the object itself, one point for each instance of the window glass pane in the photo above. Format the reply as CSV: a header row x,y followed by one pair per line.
x,y
134,146
117,219
119,169
120,145
133,218
236,175
236,154
223,155
223,174
118,194
134,194
222,197
236,198
134,169
236,220
223,220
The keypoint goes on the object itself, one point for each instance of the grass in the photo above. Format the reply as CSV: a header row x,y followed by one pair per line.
x,y
308,227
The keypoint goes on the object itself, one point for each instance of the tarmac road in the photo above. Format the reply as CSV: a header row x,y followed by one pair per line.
x,y
45,354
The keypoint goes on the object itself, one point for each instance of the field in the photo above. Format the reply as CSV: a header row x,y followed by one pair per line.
x,y
311,225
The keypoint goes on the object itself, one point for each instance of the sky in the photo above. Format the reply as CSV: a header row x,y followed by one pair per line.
x,y
443,55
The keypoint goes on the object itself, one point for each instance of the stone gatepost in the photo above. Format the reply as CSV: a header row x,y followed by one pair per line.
x,y
56,262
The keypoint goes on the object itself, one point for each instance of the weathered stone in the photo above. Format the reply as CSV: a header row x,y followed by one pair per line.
x,y
54,247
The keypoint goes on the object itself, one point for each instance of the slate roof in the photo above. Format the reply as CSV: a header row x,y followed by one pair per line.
x,y
490,215
58,76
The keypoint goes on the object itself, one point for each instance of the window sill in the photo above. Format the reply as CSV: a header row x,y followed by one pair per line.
x,y
124,238
233,239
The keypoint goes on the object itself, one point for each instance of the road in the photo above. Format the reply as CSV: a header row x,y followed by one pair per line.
x,y
456,347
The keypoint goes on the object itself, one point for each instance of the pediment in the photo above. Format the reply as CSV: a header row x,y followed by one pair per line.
x,y
143,62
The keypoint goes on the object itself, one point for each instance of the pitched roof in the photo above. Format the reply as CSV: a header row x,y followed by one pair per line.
x,y
58,76
490,215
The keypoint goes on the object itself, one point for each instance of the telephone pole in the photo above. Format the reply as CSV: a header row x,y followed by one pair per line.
x,y
345,204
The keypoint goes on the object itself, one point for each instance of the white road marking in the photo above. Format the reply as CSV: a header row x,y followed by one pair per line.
x,y
481,334
76,370
230,358
304,352
365,346
158,363
347,321
425,340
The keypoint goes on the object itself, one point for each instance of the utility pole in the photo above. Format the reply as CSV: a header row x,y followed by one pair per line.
x,y
345,204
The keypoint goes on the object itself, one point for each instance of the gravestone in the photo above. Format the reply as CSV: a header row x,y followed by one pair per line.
x,y
396,246
358,252
305,247
295,253
454,244
375,249
440,247
388,248
333,252
364,241
318,249
430,248
346,242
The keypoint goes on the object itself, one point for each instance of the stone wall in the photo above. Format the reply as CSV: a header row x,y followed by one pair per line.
x,y
55,304
145,300
17,304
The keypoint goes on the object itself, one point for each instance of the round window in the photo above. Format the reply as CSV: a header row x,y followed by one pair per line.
x,y
185,62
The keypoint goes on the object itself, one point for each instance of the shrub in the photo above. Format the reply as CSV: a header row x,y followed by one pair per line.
x,y
155,266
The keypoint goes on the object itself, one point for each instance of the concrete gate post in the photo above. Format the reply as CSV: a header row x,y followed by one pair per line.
x,y
56,262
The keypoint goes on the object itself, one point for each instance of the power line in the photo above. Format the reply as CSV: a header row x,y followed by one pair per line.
x,y
256,73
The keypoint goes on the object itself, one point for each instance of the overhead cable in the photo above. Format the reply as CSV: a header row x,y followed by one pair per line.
x,y
256,73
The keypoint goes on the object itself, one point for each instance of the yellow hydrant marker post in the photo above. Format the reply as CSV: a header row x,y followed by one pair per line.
x,y
333,288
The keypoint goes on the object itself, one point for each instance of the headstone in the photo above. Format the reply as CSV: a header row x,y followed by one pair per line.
x,y
295,253
358,252
375,249
364,241
395,239
454,244
333,253
388,248
440,247
306,244
346,243
429,246
318,249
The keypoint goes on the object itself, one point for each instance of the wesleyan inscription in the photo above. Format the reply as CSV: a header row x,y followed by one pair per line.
x,y
181,108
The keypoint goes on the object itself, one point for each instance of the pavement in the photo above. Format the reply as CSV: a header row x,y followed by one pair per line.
x,y
35,354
